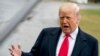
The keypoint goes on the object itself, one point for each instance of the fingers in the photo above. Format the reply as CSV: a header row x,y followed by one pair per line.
x,y
12,54
13,46
15,50
11,51
19,46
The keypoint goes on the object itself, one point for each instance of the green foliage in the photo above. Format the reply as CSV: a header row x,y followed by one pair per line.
x,y
90,22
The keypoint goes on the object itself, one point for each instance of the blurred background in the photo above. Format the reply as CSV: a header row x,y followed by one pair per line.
x,y
22,20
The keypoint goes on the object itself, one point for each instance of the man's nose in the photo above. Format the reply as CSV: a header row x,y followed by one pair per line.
x,y
65,20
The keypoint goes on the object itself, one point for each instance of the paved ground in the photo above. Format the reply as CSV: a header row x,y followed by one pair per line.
x,y
45,15
8,9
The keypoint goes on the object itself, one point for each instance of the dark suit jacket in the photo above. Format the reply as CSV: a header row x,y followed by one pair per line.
x,y
46,44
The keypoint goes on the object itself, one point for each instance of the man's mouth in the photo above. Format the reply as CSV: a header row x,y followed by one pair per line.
x,y
66,26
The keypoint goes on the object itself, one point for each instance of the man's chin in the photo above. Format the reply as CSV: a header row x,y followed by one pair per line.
x,y
66,30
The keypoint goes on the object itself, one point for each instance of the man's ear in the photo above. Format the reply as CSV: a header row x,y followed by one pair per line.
x,y
79,18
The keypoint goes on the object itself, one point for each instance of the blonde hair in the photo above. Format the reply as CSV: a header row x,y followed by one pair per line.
x,y
71,5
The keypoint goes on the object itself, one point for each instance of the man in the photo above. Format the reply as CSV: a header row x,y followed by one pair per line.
x,y
66,40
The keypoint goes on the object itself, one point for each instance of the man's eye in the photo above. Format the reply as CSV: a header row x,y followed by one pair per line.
x,y
68,17
61,17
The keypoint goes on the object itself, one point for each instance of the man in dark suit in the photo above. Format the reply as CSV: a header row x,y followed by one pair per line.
x,y
66,40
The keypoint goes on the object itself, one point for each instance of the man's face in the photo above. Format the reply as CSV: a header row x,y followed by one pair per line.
x,y
69,20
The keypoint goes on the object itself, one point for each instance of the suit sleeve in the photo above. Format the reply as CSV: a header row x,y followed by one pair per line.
x,y
95,49
36,48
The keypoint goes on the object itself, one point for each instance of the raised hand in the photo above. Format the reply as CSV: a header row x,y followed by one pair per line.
x,y
15,50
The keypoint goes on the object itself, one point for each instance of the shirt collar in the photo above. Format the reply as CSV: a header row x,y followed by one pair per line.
x,y
74,34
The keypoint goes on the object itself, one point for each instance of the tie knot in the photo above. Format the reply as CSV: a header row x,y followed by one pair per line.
x,y
67,35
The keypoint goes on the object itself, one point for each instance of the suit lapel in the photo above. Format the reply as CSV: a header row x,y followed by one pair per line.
x,y
80,43
54,37
53,41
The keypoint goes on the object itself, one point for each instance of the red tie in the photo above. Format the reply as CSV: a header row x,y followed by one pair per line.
x,y
64,47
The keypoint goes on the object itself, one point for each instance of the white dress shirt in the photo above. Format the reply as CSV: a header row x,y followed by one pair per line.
x,y
71,39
